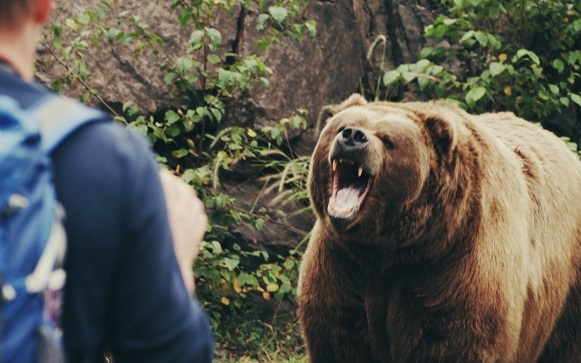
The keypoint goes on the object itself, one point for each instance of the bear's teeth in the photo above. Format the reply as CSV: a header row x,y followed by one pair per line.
x,y
335,162
360,171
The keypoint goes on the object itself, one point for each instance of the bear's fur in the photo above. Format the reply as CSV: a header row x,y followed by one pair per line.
x,y
441,237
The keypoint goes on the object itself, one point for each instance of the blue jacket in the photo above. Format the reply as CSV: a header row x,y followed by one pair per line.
x,y
124,292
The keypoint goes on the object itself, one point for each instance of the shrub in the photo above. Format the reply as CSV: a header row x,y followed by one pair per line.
x,y
496,55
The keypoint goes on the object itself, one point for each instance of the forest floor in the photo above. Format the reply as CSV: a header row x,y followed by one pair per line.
x,y
244,340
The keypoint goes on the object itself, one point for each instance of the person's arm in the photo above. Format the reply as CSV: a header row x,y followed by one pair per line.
x,y
188,222
125,291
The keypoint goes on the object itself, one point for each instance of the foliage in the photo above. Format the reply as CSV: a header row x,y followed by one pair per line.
x,y
193,141
522,56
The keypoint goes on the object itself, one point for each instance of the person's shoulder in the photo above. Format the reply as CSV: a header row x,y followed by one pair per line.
x,y
102,150
105,139
108,135
101,164
24,92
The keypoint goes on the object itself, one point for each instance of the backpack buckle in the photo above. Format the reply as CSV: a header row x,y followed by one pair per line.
x,y
15,203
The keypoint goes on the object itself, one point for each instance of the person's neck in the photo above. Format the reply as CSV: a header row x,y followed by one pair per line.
x,y
17,49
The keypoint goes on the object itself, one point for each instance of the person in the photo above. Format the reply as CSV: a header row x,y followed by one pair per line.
x,y
128,289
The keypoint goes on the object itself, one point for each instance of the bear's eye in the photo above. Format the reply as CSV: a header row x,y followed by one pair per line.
x,y
387,142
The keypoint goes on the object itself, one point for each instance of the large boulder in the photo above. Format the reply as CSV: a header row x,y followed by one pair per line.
x,y
310,74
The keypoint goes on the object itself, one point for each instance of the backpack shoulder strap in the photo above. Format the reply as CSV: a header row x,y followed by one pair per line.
x,y
60,116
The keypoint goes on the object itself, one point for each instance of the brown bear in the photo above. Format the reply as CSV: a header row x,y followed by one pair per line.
x,y
441,236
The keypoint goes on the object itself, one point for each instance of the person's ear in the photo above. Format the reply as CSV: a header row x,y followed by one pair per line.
x,y
42,11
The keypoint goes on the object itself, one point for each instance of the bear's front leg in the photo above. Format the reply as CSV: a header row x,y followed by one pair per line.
x,y
331,306
446,322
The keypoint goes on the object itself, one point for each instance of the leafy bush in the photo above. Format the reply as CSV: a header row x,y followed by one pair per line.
x,y
494,55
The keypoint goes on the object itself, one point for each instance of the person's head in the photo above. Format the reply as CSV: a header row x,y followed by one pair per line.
x,y
20,24
13,12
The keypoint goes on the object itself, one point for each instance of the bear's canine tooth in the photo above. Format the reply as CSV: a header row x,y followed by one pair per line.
x,y
359,171
335,162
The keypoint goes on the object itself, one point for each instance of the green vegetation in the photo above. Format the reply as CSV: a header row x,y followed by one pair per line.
x,y
488,55
492,55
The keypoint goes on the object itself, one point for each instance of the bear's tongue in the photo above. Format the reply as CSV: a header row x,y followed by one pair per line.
x,y
350,186
344,206
347,199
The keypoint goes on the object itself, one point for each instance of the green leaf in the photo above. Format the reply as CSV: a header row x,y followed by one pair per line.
x,y
231,263
84,18
138,129
558,65
564,101
184,16
216,246
469,34
113,33
215,36
576,25
543,95
57,29
57,42
423,82
180,153
196,40
85,97
171,117
496,68
170,77
213,58
72,24
289,264
173,131
279,14
422,65
107,4
409,76
525,52
284,288
101,12
575,98
391,77
425,52
311,27
478,93
494,42
435,70
481,37
217,114
261,20
189,175
554,89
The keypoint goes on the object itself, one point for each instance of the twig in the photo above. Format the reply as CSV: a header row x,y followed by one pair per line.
x,y
81,81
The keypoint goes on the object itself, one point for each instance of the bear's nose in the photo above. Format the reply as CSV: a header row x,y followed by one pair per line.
x,y
352,139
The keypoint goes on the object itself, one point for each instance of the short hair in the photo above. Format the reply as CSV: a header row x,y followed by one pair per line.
x,y
12,11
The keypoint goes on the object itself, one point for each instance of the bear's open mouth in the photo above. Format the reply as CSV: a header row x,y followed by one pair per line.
x,y
351,184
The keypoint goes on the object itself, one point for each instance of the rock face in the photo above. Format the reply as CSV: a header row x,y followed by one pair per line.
x,y
310,74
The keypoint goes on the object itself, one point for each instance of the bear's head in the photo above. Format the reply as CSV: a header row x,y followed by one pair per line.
x,y
373,160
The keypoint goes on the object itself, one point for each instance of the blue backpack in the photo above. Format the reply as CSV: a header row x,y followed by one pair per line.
x,y
32,237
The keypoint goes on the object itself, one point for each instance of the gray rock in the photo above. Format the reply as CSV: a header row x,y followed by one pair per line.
x,y
310,74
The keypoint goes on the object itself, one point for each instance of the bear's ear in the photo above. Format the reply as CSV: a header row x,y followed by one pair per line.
x,y
331,110
354,100
443,133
